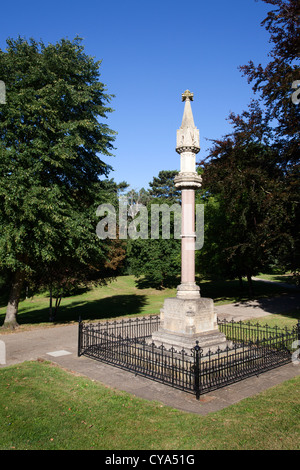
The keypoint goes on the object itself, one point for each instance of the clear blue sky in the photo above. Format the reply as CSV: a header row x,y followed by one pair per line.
x,y
151,52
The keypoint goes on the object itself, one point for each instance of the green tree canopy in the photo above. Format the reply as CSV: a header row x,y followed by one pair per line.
x,y
252,175
273,83
248,217
52,176
156,261
163,187
276,86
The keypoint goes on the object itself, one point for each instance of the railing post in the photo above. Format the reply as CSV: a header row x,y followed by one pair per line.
x,y
197,375
79,337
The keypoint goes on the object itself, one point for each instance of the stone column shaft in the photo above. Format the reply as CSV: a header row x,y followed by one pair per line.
x,y
188,236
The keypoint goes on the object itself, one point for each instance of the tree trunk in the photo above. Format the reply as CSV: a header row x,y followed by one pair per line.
x,y
50,304
13,301
250,285
57,304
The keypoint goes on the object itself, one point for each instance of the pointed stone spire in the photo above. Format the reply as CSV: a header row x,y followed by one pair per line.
x,y
188,119
188,139
188,145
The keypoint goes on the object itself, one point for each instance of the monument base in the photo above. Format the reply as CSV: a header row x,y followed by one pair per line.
x,y
184,321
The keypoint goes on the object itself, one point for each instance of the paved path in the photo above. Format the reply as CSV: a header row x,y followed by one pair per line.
x,y
59,344
259,308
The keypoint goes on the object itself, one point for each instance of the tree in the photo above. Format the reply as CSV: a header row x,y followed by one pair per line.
x,y
135,199
156,260
163,187
253,173
247,186
66,274
276,84
50,140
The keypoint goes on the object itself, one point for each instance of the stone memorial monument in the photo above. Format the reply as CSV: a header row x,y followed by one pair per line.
x,y
188,317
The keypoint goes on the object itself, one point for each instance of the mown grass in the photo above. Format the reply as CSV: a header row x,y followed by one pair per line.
x,y
288,320
123,297
45,408
286,278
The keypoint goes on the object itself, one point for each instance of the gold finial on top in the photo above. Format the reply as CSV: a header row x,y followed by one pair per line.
x,y
187,95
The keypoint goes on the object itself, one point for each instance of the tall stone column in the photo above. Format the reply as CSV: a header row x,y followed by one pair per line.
x,y
188,145
188,317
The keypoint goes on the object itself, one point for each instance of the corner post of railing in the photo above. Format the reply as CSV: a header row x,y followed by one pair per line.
x,y
79,336
197,375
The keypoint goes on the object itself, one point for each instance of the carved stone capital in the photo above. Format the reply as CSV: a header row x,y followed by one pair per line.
x,y
188,180
183,149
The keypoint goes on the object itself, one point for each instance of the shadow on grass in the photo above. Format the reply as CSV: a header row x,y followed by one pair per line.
x,y
227,291
286,279
108,307
147,283
231,290
286,304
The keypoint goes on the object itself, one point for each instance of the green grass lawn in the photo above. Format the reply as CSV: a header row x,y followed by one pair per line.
x,y
286,278
45,408
123,297
288,320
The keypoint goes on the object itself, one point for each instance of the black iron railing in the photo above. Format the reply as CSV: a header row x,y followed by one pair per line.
x,y
128,344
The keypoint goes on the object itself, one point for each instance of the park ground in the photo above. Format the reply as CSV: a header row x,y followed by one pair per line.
x,y
46,407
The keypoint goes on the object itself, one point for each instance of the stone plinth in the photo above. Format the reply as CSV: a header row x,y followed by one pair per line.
x,y
185,321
